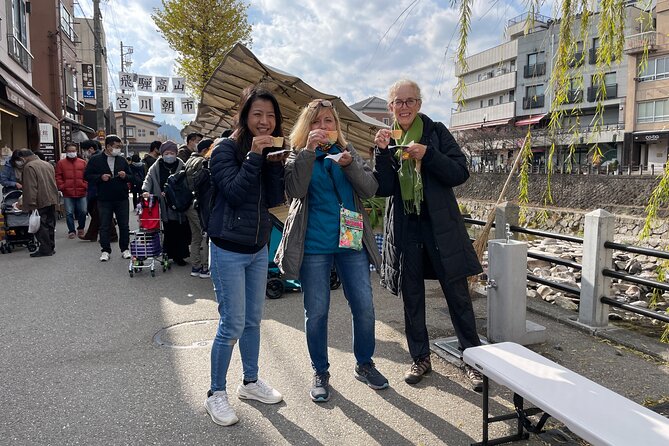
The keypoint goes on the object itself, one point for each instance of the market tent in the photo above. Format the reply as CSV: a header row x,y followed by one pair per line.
x,y
241,68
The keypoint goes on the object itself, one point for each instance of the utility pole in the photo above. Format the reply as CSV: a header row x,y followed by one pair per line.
x,y
123,113
99,100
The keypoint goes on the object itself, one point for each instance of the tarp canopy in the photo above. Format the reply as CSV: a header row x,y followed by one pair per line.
x,y
241,68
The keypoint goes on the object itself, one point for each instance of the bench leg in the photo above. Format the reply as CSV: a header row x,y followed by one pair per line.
x,y
487,420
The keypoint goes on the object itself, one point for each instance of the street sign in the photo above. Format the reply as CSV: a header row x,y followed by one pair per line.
x,y
89,94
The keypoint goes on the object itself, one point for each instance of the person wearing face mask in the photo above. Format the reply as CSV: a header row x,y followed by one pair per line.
x,y
111,174
70,181
175,225
10,175
139,170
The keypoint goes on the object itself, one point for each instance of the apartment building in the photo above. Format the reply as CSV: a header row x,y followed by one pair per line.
x,y
24,117
532,57
374,107
647,117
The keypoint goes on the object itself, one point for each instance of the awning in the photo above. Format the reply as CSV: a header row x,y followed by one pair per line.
x,y
239,69
531,120
78,125
26,98
479,125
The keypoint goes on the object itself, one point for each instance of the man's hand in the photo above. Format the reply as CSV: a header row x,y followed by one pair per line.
x,y
19,186
106,177
121,174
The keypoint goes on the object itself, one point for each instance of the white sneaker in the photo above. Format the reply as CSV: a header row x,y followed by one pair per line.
x,y
259,391
104,256
126,254
219,409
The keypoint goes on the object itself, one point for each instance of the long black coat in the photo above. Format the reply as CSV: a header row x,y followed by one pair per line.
x,y
443,167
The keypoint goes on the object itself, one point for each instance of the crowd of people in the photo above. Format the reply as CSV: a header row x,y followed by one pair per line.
x,y
253,168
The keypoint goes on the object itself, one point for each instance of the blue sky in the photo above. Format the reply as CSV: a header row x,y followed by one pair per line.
x,y
348,48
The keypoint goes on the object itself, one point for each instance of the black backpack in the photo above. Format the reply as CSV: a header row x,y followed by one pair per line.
x,y
178,195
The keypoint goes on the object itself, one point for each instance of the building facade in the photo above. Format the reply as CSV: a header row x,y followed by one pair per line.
x,y
24,116
374,107
140,130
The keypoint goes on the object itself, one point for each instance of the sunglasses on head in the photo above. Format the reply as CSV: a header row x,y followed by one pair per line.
x,y
322,102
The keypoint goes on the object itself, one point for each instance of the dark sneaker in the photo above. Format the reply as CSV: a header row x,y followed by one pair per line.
x,y
195,271
368,374
419,368
320,391
475,378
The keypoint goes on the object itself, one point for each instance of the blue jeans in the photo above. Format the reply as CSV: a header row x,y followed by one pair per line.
x,y
239,283
353,269
75,208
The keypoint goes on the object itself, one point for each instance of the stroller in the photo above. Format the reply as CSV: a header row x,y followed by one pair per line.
x,y
276,284
146,245
15,225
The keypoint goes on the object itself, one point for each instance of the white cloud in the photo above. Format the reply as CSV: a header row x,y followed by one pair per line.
x,y
338,47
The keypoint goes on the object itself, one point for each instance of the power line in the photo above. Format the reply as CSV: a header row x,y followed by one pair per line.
x,y
387,31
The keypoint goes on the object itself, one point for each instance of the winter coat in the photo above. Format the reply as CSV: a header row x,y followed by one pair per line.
x,y
8,178
152,186
139,171
443,167
244,188
116,188
39,185
299,166
70,177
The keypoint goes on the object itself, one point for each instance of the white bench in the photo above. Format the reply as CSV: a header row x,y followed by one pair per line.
x,y
594,413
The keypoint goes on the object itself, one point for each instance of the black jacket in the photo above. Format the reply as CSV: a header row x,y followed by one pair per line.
x,y
444,166
115,189
243,188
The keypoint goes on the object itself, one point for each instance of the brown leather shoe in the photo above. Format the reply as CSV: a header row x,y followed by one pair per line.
x,y
419,368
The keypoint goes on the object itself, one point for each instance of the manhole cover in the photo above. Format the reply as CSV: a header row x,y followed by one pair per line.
x,y
193,334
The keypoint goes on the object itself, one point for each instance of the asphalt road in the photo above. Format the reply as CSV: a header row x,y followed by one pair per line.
x,y
92,356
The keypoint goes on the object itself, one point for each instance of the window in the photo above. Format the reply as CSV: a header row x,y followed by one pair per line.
x,y
491,102
152,133
532,59
19,21
653,111
66,23
481,103
595,42
386,121
141,133
573,84
513,66
130,132
657,68
609,79
535,91
501,99
511,95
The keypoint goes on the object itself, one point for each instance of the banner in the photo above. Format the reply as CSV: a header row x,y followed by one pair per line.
x,y
167,106
125,81
145,104
178,85
122,102
187,106
144,83
161,84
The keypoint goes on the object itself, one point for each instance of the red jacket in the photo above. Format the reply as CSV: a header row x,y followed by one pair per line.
x,y
70,177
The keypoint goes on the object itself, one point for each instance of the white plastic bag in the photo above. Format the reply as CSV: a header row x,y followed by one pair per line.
x,y
34,222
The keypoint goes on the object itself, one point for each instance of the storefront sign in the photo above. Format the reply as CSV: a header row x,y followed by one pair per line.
x,y
87,81
650,137
45,133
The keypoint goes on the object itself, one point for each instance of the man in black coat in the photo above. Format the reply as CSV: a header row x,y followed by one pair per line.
x,y
425,235
111,173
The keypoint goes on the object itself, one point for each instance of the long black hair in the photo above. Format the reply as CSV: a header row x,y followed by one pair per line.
x,y
251,94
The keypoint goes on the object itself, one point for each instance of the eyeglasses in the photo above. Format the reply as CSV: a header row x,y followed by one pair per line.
x,y
322,102
398,103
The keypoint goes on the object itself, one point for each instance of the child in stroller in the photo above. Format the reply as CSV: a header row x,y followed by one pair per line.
x,y
15,224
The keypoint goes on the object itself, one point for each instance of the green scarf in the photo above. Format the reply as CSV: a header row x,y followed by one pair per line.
x,y
411,182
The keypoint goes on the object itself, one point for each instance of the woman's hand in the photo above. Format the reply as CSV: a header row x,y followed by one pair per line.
x,y
416,151
145,194
260,142
279,157
316,137
345,158
382,138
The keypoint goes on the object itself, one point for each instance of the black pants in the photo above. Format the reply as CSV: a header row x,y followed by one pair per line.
x,y
121,210
421,248
177,239
46,233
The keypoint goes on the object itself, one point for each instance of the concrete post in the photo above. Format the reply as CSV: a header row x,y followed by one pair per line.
x,y
506,213
599,227
507,294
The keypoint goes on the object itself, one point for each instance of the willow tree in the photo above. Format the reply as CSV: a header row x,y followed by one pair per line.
x,y
576,14
201,32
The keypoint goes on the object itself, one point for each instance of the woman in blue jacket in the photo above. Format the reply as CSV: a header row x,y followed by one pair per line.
x,y
246,183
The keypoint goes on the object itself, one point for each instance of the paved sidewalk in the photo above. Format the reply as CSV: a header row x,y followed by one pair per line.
x,y
89,355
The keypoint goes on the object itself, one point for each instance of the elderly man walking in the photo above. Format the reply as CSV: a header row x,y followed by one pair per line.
x,y
40,193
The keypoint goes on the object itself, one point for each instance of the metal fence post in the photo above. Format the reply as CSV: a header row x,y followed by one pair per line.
x,y
506,213
599,227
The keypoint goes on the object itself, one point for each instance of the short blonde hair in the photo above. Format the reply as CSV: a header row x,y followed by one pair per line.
x,y
392,92
302,127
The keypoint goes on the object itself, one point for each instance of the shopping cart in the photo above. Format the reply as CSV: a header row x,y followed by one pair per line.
x,y
146,245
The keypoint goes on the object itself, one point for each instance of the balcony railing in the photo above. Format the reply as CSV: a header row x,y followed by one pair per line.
x,y
19,53
533,102
636,43
535,70
611,92
574,96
